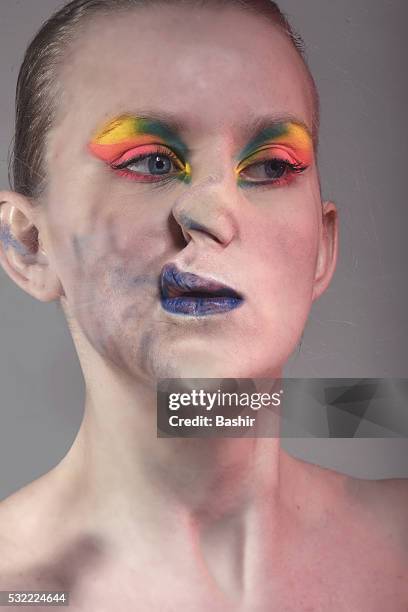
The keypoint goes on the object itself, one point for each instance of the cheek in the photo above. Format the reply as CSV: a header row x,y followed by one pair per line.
x,y
295,249
282,278
110,277
286,244
117,257
295,253
107,250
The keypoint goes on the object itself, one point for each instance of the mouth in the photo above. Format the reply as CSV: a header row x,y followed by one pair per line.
x,y
186,293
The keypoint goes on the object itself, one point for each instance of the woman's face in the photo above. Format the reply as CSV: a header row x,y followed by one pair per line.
x,y
183,145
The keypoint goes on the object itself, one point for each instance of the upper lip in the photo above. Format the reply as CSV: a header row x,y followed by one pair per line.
x,y
175,283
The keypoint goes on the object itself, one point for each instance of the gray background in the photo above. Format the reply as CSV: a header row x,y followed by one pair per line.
x,y
357,51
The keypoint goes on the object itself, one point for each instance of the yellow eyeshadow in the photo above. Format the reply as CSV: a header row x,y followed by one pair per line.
x,y
118,130
300,135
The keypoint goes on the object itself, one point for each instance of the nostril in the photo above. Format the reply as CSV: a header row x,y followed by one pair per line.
x,y
179,236
206,215
186,235
188,225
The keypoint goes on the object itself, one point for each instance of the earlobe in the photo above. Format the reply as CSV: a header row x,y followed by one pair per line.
x,y
328,249
22,253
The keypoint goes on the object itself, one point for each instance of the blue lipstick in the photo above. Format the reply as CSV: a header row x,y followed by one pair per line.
x,y
186,293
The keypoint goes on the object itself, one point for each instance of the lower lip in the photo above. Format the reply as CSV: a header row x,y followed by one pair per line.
x,y
200,307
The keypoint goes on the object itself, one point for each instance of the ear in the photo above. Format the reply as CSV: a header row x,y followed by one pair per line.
x,y
328,249
22,254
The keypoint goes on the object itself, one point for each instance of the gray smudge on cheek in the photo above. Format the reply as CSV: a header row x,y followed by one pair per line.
x,y
144,279
131,312
81,246
113,288
145,342
8,241
123,278
77,247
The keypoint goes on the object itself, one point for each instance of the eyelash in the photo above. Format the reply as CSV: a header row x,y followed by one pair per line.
x,y
292,169
122,169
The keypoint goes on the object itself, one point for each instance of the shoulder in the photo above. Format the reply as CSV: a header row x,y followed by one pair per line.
x,y
19,532
369,521
29,537
388,497
376,510
383,507
43,544
380,497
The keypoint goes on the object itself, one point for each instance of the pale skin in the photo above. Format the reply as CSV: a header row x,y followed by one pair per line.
x,y
127,520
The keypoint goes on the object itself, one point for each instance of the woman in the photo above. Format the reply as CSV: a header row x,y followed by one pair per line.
x,y
159,147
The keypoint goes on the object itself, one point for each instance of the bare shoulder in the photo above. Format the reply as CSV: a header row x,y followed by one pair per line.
x,y
30,537
392,502
22,531
385,497
42,543
397,488
383,508
375,509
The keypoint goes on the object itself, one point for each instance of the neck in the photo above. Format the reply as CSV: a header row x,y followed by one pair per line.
x,y
196,494
206,476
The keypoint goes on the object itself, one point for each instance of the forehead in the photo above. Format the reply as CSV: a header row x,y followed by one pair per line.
x,y
213,68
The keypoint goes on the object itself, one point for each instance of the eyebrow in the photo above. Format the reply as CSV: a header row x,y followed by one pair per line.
x,y
169,126
269,127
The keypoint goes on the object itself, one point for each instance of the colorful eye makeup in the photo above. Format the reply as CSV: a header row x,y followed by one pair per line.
x,y
275,156
141,149
149,151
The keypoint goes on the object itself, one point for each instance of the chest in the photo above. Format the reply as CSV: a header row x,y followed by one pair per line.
x,y
313,581
340,572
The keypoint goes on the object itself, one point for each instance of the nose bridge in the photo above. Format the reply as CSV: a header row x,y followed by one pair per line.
x,y
208,207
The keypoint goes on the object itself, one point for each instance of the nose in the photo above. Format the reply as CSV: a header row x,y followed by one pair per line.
x,y
207,211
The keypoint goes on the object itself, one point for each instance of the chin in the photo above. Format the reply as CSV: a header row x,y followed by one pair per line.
x,y
188,364
206,364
